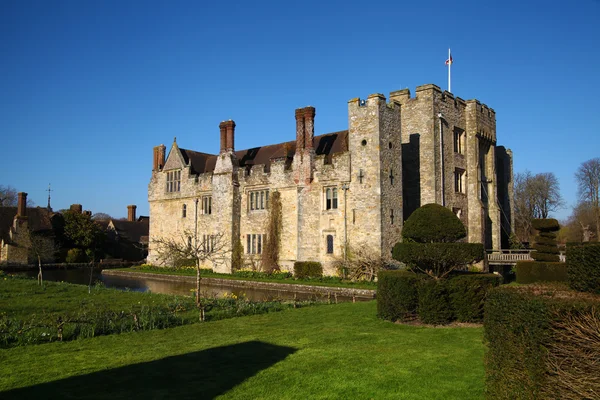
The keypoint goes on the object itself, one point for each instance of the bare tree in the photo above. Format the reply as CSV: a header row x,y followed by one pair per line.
x,y
101,217
588,183
9,195
41,249
207,249
362,264
536,196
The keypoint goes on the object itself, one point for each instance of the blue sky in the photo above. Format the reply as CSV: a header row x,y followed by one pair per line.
x,y
87,88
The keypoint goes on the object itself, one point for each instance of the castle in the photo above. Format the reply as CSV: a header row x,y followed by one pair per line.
x,y
344,190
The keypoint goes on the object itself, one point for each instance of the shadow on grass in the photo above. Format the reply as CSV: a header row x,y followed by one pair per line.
x,y
199,375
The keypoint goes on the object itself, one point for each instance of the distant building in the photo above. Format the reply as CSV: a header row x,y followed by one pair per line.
x,y
344,190
15,222
131,235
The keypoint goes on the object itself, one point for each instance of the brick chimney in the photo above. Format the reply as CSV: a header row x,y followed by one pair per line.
x,y
309,127
22,204
299,129
227,129
78,208
131,212
87,213
159,157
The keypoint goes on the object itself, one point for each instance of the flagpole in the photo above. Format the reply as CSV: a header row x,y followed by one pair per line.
x,y
449,71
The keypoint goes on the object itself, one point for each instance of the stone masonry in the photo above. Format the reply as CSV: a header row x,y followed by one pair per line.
x,y
341,191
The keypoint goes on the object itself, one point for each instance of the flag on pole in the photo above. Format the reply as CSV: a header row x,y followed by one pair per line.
x,y
449,60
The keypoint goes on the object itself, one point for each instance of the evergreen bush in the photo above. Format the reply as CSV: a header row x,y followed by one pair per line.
x,y
397,295
546,249
75,256
468,293
583,267
434,302
543,342
433,223
538,271
308,269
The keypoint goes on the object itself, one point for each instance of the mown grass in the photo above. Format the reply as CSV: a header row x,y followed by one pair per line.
x,y
249,276
331,352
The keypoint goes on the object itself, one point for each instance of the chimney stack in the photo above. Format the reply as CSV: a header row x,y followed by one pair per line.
x,y
223,129
87,213
159,157
309,127
131,212
76,208
22,204
299,129
227,129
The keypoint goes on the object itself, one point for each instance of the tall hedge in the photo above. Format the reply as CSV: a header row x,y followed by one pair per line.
x,y
543,343
308,269
405,296
583,267
546,249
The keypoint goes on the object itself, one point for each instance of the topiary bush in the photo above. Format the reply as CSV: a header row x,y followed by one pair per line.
x,y
308,269
545,246
397,295
438,259
433,223
543,343
538,271
583,267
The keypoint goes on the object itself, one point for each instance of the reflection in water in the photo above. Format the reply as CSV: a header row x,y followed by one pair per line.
x,y
82,277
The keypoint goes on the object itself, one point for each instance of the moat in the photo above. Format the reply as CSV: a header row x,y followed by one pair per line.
x,y
186,288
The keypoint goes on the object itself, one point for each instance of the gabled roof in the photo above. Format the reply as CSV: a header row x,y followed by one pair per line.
x,y
132,230
39,220
328,144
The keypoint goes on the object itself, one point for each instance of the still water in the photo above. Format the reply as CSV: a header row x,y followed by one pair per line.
x,y
82,277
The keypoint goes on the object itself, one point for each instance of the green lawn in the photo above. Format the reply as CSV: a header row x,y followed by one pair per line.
x,y
258,277
337,351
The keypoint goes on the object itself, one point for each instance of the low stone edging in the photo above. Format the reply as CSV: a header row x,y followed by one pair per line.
x,y
365,293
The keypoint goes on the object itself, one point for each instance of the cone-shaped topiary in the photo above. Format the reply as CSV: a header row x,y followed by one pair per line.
x,y
433,223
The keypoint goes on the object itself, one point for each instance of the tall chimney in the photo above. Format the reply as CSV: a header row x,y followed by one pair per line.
x,y
230,135
299,129
131,212
22,204
76,208
159,157
223,129
309,127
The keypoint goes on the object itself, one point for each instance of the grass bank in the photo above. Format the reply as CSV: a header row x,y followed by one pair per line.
x,y
281,277
30,313
331,352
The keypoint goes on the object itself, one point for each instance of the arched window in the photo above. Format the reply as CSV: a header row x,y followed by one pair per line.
x,y
329,244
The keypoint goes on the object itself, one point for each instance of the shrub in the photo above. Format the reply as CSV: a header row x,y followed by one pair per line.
x,y
308,269
434,302
542,343
468,293
583,267
397,295
537,271
545,224
433,223
437,259
75,256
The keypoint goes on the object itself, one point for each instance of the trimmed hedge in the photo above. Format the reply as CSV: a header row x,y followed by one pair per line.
x,y
433,223
468,293
546,248
397,295
583,267
404,296
308,269
542,343
536,271
545,257
437,256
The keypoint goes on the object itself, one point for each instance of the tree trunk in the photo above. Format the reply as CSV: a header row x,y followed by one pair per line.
x,y
198,283
40,278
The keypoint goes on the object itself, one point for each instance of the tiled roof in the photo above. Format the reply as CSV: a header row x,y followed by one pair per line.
x,y
132,230
39,219
328,144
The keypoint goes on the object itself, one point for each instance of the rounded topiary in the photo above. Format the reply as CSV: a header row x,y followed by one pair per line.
x,y
545,224
433,223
